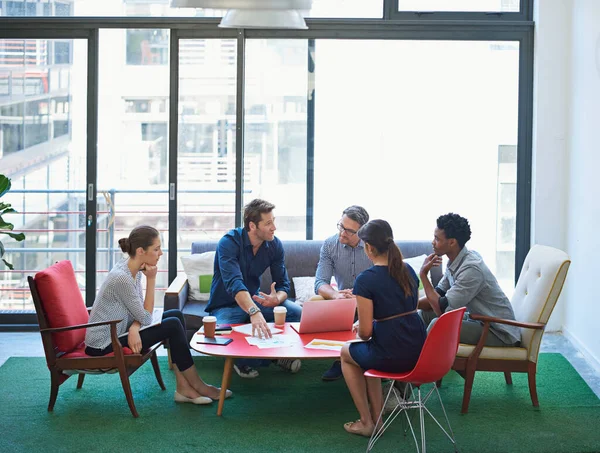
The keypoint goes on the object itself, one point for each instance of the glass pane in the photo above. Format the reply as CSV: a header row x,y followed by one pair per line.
x,y
371,9
162,8
403,136
133,117
206,142
504,6
43,151
275,130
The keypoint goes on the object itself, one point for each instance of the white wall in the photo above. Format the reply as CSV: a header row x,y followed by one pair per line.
x,y
566,150
550,121
583,214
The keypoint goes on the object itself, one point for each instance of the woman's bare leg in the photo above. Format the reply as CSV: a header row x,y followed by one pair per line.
x,y
374,392
204,389
356,382
183,387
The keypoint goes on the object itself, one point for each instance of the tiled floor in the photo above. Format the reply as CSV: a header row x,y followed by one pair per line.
x,y
29,344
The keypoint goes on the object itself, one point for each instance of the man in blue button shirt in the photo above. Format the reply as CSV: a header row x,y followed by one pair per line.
x,y
242,256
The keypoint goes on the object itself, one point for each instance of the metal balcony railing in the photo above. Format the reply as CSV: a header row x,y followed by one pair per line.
x,y
70,235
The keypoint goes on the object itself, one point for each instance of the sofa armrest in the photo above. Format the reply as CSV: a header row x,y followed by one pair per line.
x,y
177,293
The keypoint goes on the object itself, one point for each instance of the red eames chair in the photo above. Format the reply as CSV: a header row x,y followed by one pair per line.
x,y
436,359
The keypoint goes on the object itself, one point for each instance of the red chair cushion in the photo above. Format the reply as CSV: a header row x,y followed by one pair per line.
x,y
79,353
62,303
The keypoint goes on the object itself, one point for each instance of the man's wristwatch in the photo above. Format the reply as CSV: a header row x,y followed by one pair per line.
x,y
253,310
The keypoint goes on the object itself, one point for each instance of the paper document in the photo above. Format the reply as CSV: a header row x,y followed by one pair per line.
x,y
246,329
329,345
280,341
156,320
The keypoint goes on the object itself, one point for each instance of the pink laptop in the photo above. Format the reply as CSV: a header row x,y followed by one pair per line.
x,y
326,316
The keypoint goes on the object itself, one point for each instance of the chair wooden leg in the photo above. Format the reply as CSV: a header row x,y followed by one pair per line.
x,y
54,384
469,378
169,359
508,378
80,380
154,361
438,384
531,370
127,389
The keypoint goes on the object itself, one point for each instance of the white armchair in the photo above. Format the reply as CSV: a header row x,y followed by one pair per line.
x,y
539,285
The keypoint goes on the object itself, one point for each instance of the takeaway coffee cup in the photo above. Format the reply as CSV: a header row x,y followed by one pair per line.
x,y
210,324
279,313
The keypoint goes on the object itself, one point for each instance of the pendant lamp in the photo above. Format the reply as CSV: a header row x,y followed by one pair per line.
x,y
254,13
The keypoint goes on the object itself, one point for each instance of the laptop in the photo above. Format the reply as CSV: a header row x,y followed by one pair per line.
x,y
326,316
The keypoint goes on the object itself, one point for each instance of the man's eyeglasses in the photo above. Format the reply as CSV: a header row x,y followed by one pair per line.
x,y
348,231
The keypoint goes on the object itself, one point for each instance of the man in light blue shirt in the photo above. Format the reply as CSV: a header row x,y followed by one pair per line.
x,y
343,257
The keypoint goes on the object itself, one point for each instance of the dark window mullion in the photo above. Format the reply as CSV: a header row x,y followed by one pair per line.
x,y
92,170
239,127
310,142
524,152
173,154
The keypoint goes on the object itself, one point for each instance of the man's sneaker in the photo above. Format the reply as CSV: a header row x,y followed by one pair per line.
x,y
245,371
399,389
333,373
291,365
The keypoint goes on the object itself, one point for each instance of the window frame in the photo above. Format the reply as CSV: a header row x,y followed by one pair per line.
x,y
470,26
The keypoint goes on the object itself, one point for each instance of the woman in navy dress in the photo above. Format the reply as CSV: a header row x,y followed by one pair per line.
x,y
387,296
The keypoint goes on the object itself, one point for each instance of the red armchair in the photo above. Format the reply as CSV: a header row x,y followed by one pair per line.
x,y
63,318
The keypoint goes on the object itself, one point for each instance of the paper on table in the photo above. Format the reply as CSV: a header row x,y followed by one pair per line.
x,y
330,345
246,329
280,341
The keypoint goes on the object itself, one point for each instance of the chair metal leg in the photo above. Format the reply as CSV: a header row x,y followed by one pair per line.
x,y
54,384
154,361
378,432
422,421
419,401
80,380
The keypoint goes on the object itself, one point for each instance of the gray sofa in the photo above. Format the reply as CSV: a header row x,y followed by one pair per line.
x,y
301,259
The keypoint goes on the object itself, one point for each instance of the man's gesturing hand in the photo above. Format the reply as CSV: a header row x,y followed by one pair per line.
x,y
267,300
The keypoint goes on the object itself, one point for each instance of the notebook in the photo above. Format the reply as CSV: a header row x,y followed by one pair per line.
x,y
326,316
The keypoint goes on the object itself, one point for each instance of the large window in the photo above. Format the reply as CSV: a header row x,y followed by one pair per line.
x,y
418,135
459,5
275,130
206,155
132,149
42,150
411,118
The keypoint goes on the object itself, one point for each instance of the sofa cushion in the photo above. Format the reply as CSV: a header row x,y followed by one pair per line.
x,y
493,352
304,288
199,270
62,303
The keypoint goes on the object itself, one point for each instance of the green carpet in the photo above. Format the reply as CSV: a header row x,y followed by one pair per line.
x,y
284,412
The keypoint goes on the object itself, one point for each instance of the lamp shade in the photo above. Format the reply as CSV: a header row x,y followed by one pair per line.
x,y
263,18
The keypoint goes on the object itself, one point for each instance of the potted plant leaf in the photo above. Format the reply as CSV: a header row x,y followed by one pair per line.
x,y
6,227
